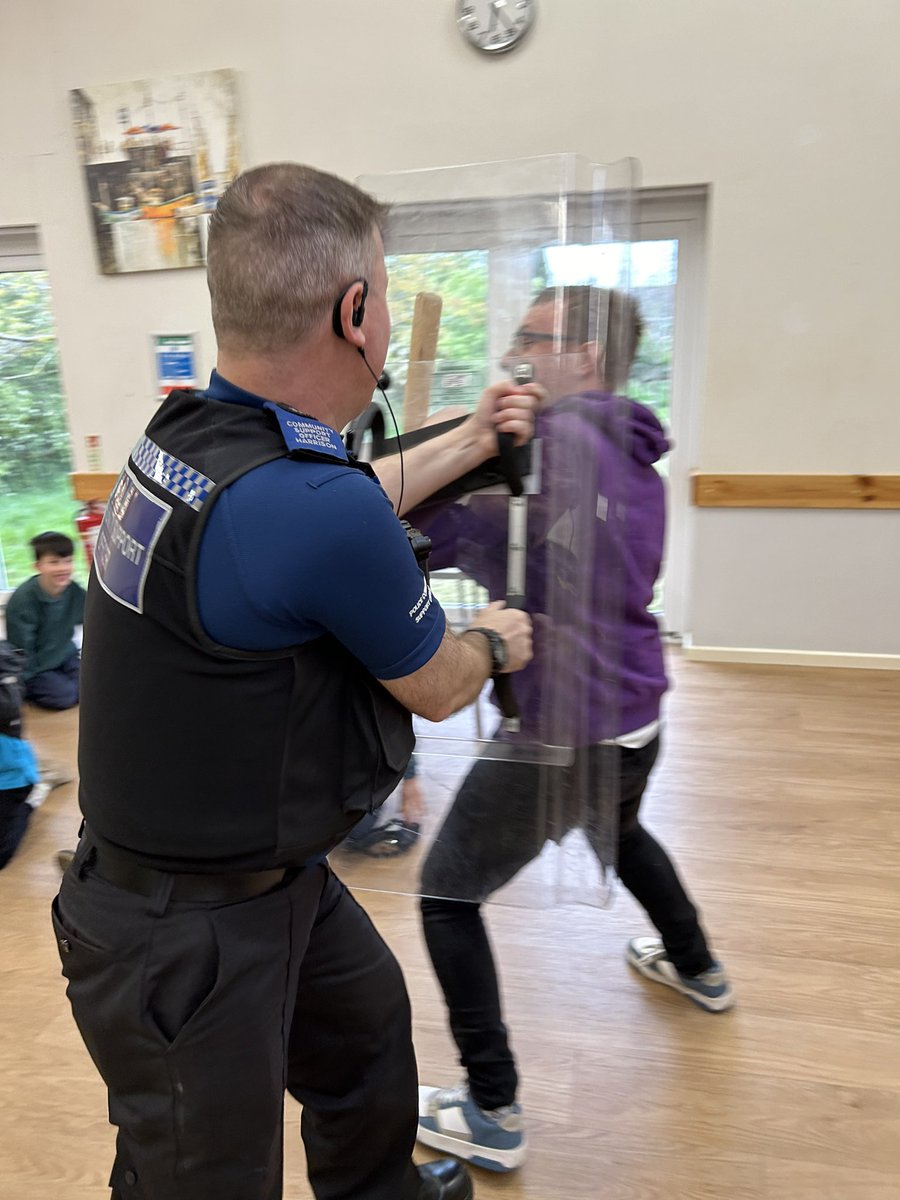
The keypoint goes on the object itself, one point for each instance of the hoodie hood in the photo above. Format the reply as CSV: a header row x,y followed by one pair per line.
x,y
632,426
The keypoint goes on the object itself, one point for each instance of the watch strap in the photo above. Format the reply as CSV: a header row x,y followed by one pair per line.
x,y
496,644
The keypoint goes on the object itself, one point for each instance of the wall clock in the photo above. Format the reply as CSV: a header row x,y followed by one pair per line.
x,y
494,26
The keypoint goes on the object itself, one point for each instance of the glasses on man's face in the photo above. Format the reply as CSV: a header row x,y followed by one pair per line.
x,y
527,339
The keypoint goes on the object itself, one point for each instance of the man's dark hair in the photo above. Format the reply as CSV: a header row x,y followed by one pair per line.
x,y
50,543
605,315
284,240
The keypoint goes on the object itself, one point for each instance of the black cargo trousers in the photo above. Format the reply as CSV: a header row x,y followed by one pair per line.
x,y
198,1016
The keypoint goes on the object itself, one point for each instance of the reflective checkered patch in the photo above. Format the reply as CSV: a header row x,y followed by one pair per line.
x,y
189,485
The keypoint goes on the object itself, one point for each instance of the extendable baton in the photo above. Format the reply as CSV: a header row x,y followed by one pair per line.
x,y
516,553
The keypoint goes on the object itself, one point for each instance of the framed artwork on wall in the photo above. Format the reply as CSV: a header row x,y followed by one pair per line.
x,y
156,154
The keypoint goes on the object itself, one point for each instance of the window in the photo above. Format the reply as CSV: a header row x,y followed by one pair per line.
x,y
461,280
36,457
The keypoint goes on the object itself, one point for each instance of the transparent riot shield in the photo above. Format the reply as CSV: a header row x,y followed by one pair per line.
x,y
516,271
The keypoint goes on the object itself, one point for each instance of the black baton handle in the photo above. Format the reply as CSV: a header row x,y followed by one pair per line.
x,y
509,463
503,684
506,697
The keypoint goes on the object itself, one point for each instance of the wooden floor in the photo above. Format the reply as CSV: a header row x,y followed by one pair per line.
x,y
779,795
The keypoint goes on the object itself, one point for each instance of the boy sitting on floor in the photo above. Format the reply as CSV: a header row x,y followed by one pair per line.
x,y
41,616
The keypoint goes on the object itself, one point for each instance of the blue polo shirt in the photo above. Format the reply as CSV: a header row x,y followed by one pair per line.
x,y
294,550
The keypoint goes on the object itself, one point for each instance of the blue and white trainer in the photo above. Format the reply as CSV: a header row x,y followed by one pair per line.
x,y
711,989
451,1121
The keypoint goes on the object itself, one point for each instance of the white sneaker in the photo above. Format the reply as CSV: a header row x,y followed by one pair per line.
x,y
55,775
38,794
450,1120
710,989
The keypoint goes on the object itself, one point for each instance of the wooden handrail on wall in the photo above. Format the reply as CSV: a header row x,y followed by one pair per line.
x,y
795,491
707,491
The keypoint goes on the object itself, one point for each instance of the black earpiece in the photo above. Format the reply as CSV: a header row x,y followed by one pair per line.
x,y
356,317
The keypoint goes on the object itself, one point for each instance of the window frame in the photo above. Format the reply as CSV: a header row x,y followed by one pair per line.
x,y
681,214
20,249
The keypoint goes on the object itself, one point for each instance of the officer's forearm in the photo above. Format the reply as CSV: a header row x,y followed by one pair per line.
x,y
452,679
430,466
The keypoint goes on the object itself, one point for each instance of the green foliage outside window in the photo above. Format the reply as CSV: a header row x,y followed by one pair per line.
x,y
35,451
461,280
33,428
651,375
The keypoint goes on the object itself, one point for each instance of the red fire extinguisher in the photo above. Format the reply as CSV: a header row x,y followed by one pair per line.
x,y
88,520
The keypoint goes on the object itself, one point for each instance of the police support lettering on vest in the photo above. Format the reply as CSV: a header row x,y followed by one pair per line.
x,y
127,546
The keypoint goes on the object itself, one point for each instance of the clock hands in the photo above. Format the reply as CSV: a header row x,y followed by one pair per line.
x,y
498,9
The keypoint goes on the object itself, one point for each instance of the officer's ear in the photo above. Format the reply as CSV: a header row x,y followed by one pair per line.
x,y
349,312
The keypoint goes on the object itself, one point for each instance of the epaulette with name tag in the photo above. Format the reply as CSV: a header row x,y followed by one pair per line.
x,y
304,435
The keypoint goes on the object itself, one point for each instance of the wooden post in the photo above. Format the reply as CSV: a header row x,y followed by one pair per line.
x,y
422,350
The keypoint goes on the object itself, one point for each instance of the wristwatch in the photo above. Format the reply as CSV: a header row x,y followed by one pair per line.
x,y
497,644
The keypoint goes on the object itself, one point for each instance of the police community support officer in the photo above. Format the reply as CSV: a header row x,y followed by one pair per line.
x,y
257,634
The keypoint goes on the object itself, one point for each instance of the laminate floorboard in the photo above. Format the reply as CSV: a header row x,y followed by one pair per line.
x,y
779,795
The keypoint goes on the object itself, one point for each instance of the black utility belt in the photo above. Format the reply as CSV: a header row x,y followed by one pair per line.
x,y
147,881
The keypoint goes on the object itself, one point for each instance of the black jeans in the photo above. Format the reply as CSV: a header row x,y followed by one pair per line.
x,y
490,834
198,1016
56,689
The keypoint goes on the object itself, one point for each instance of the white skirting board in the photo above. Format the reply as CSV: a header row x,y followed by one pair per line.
x,y
791,658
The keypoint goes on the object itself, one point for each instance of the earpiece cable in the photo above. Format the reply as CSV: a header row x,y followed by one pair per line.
x,y
380,387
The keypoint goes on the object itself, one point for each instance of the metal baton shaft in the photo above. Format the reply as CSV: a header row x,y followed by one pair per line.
x,y
516,551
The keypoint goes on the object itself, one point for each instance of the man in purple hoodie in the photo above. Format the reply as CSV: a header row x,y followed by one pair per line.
x,y
601,515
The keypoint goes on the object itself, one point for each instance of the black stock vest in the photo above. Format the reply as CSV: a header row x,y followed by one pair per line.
x,y
194,756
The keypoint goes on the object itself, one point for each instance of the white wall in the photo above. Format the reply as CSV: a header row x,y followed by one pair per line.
x,y
800,573
791,112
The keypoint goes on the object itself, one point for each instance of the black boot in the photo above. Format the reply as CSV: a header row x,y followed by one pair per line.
x,y
445,1179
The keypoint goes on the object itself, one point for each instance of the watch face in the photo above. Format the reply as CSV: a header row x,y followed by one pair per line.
x,y
498,653
494,25
497,645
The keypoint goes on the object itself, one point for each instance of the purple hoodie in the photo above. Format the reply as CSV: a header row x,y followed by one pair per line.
x,y
595,544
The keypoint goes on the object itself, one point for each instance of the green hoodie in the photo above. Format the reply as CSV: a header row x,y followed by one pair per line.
x,y
43,625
